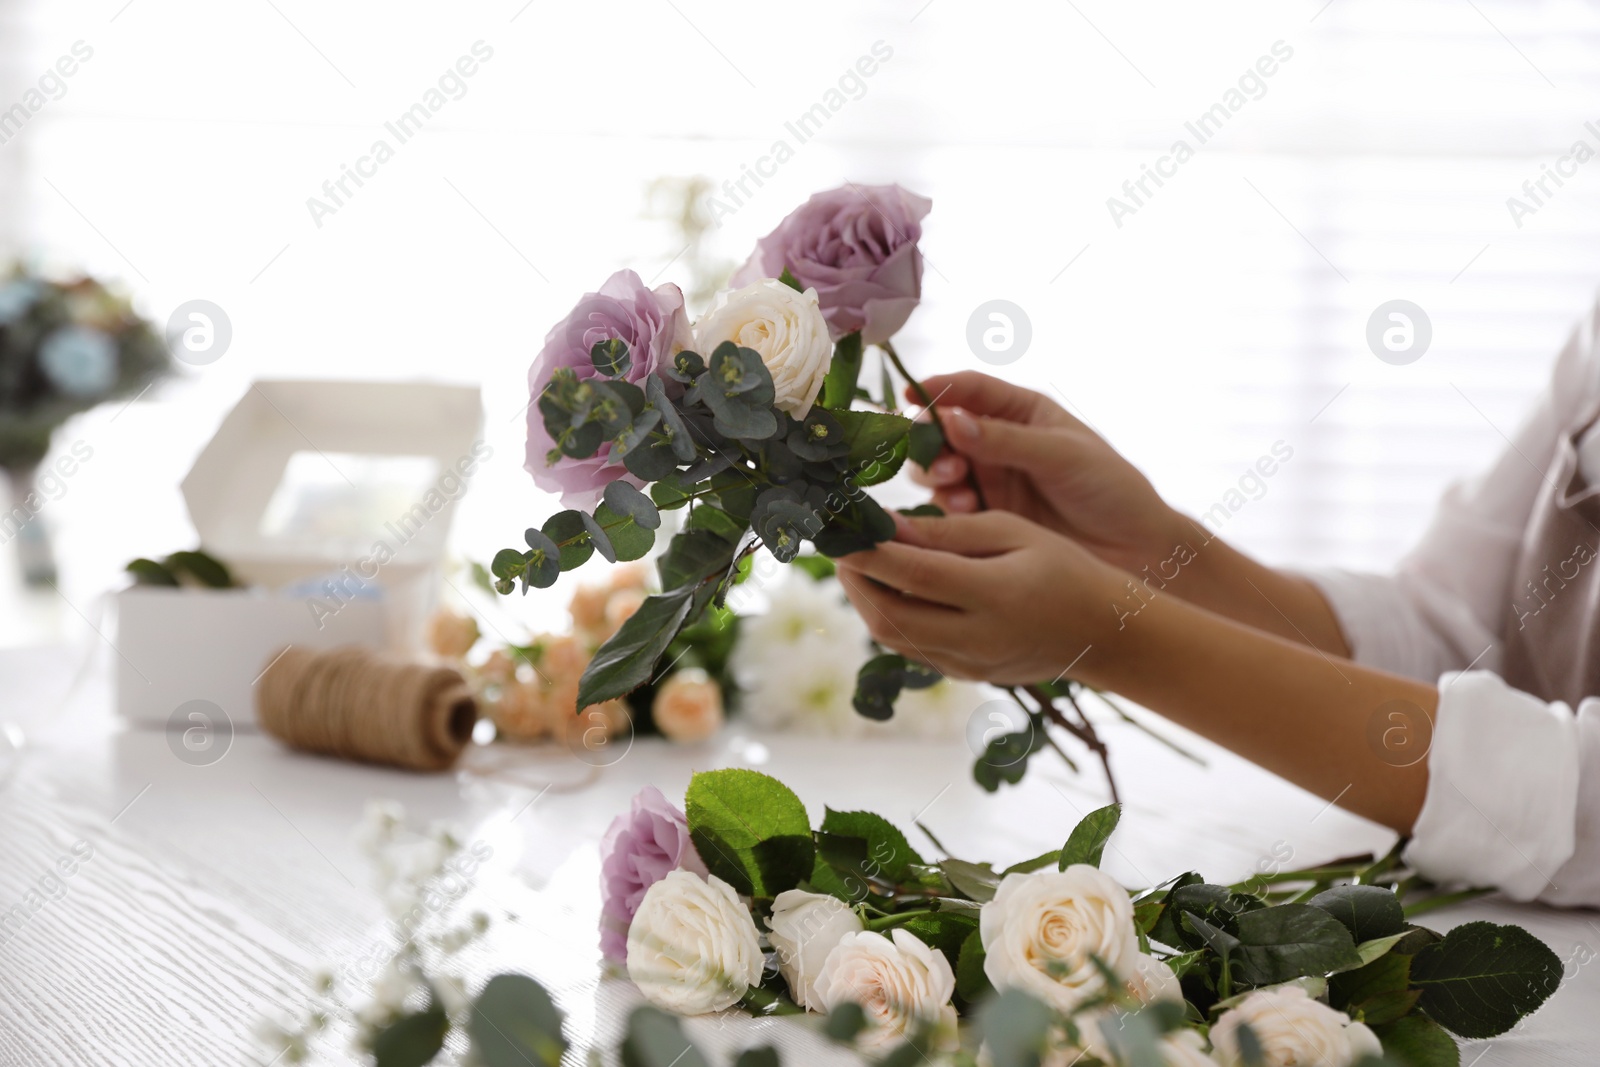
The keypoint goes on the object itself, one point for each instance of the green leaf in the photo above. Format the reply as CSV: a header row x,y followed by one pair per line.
x,y
1367,911
624,499
975,881
872,435
542,563
1290,941
926,442
692,557
1087,842
845,1022
569,526
946,931
1377,992
1015,1028
791,281
714,520
656,1039
205,568
610,357
1037,863
1006,758
972,984
887,847
881,470
149,572
628,658
839,387
599,537
1418,1041
766,1056
514,1023
1482,978
1378,947
411,1040
750,829
629,539
878,685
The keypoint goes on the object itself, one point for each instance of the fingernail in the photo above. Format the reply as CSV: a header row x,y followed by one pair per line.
x,y
963,427
946,467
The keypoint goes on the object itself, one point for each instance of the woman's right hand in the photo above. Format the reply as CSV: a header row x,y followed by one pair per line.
x,y
1034,459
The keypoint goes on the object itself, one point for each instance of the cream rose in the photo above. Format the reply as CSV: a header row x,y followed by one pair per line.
x,y
688,706
804,929
786,327
1147,980
1042,929
899,984
1293,1030
692,946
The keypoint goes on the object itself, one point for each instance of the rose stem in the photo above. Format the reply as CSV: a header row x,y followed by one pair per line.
x,y
933,413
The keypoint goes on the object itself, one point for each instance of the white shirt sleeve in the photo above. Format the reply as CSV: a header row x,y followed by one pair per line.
x,y
1513,796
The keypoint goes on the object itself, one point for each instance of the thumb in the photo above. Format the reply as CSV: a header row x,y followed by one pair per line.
x,y
986,533
1006,444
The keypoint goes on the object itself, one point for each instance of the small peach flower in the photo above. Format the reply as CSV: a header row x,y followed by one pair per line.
x,y
688,706
451,634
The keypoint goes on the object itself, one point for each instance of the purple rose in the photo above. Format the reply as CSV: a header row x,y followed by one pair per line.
x,y
857,246
653,324
640,848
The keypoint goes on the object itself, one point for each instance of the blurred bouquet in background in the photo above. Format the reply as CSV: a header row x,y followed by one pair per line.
x,y
796,664
65,346
531,691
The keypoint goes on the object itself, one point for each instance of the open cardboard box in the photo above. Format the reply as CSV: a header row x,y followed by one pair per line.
x,y
332,501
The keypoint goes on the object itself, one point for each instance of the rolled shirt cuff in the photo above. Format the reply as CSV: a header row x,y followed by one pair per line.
x,y
1502,798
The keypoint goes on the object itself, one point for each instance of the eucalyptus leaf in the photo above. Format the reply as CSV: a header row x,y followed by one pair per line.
x,y
411,1040
656,1039
627,537
1015,1028
515,1023
568,529
610,357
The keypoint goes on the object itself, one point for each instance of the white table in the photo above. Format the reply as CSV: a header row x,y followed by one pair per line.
x,y
214,891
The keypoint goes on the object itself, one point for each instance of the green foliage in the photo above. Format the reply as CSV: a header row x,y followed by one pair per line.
x,y
1482,977
628,659
1015,1028
839,387
1291,941
656,1039
1087,842
1418,1041
413,1039
887,848
514,1023
845,1022
751,831
205,569
1369,912
972,984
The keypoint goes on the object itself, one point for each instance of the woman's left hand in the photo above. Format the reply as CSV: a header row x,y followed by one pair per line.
x,y
988,596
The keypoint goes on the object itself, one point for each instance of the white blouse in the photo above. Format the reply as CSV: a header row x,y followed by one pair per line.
x,y
1513,796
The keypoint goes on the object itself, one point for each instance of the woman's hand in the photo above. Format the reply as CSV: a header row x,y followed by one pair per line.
x,y
1034,459
989,596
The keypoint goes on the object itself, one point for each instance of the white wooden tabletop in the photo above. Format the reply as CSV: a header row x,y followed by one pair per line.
x,y
211,893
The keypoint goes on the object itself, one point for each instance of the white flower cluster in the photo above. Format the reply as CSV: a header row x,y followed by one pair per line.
x,y
796,664
693,948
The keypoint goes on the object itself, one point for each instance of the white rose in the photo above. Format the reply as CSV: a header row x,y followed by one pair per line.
x,y
786,327
1042,929
1292,1029
692,946
899,984
1147,980
804,928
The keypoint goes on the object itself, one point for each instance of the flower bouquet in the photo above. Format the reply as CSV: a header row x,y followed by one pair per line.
x,y
65,346
753,421
736,903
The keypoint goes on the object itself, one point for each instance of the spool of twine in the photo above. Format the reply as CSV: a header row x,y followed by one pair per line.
x,y
361,705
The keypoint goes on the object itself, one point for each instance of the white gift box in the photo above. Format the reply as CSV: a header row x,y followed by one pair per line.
x,y
332,501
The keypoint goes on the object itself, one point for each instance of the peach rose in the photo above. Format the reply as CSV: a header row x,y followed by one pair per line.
x,y
451,634
688,706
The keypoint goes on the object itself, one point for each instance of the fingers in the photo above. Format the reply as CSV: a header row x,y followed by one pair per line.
x,y
994,397
986,533
1001,443
938,577
948,469
911,627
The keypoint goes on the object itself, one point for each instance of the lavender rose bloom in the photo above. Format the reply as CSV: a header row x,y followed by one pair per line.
x,y
857,247
653,324
642,845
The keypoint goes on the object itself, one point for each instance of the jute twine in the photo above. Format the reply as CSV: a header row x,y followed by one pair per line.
x,y
360,705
